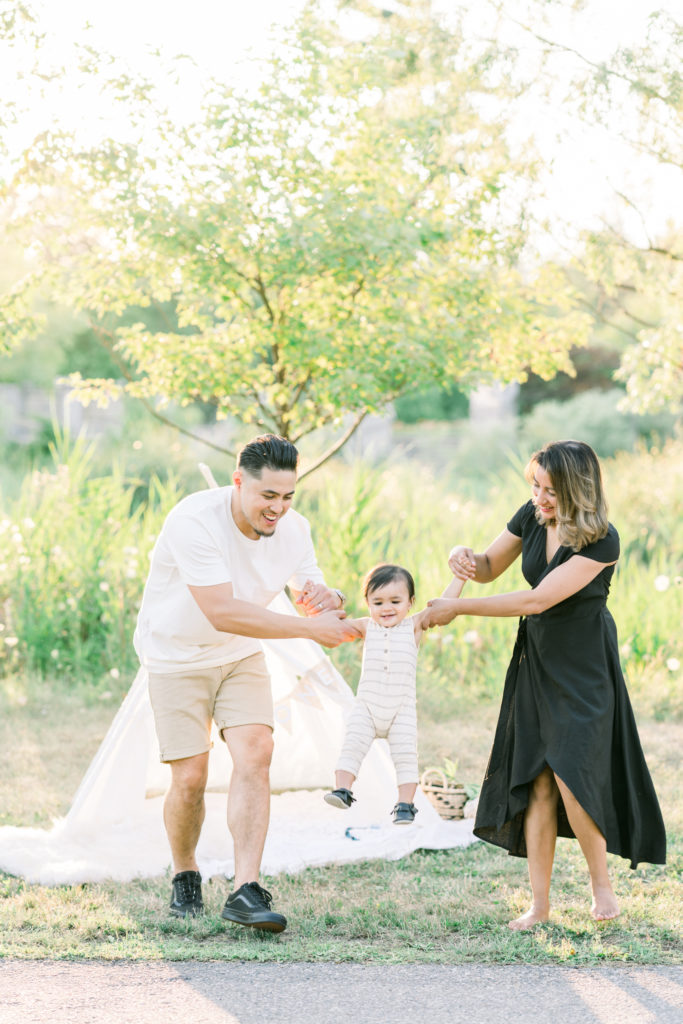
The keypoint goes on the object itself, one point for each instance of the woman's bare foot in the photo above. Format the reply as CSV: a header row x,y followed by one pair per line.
x,y
532,917
605,906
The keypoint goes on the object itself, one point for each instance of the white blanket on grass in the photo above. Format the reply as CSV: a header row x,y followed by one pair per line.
x,y
114,828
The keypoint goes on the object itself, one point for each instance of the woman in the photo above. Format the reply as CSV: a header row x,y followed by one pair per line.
x,y
566,757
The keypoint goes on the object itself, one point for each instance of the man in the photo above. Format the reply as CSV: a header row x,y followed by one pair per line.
x,y
221,557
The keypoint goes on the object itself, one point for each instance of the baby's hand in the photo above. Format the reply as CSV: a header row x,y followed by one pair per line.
x,y
358,627
461,563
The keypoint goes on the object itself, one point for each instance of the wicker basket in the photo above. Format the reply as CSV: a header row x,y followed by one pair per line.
x,y
449,800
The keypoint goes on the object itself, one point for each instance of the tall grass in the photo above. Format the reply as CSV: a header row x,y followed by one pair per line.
x,y
75,555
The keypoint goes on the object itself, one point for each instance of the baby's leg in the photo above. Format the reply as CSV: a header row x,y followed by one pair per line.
x,y
344,780
402,737
360,732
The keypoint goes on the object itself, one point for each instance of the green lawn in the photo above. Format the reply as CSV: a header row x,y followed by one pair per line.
x,y
446,907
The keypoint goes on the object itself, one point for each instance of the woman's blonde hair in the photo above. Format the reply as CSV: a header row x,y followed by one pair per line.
x,y
576,478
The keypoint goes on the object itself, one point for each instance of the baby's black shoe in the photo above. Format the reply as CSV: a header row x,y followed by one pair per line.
x,y
403,814
340,798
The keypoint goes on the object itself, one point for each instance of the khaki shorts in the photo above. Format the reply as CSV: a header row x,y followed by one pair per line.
x,y
184,704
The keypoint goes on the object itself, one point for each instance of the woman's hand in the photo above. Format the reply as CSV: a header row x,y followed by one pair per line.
x,y
439,612
461,563
421,621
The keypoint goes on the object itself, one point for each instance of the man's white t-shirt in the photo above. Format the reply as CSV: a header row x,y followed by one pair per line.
x,y
201,545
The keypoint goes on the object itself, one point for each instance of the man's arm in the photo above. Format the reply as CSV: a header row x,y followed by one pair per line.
x,y
231,615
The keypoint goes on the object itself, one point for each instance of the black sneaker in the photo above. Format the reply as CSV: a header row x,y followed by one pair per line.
x,y
250,905
186,900
340,798
404,814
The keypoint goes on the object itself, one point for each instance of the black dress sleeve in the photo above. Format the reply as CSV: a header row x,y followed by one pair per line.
x,y
521,519
605,550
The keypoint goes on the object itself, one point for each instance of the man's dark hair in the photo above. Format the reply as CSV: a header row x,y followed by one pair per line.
x,y
268,450
385,573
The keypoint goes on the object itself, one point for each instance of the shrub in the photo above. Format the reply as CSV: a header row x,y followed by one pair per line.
x,y
594,417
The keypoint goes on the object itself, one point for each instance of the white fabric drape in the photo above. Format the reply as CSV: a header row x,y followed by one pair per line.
x,y
114,828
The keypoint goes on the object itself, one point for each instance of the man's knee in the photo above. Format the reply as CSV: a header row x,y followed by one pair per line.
x,y
251,748
188,777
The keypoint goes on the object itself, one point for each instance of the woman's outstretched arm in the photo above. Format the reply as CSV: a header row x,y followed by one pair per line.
x,y
557,586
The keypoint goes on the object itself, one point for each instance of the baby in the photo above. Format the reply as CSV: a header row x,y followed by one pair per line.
x,y
385,704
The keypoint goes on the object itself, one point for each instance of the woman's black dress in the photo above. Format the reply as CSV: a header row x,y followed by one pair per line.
x,y
565,705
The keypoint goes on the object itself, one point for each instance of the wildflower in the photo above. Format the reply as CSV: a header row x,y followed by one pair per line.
x,y
11,641
54,654
28,524
114,673
106,695
626,650
104,586
471,636
661,583
448,638
673,664
137,445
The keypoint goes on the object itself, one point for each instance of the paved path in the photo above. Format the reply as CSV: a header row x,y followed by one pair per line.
x,y
38,992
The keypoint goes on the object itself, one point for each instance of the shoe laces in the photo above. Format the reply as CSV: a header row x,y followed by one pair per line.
x,y
261,894
186,889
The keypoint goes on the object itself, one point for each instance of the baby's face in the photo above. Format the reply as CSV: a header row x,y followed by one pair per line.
x,y
389,605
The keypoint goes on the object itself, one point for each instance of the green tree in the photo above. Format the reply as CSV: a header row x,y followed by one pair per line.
x,y
635,275
347,232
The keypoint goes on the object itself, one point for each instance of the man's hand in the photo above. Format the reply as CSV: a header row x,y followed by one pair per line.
x,y
333,628
316,598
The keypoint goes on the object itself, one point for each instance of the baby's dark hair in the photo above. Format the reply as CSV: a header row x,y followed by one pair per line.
x,y
385,573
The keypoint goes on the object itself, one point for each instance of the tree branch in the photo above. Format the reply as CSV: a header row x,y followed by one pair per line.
x,y
261,289
334,448
182,430
603,68
300,389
